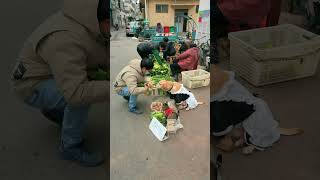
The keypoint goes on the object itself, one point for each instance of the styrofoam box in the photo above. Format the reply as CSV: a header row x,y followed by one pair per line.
x,y
274,54
195,78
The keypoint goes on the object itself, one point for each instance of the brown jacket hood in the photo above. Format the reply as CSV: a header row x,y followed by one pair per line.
x,y
66,47
83,12
136,65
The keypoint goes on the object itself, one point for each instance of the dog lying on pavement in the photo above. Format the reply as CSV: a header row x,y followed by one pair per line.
x,y
256,132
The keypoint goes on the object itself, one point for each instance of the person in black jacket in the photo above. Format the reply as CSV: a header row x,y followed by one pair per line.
x,y
169,50
144,49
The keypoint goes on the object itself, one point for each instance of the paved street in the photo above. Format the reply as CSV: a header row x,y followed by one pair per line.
x,y
135,153
29,142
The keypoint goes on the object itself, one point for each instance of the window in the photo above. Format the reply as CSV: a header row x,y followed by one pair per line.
x,y
197,9
161,8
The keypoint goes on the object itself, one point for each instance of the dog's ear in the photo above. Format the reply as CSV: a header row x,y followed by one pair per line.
x,y
161,84
176,86
219,77
165,85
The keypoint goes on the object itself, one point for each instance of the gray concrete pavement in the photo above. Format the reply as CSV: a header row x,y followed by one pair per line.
x,y
294,104
28,142
135,153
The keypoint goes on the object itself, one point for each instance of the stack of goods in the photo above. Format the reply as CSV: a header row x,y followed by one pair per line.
x,y
166,115
160,71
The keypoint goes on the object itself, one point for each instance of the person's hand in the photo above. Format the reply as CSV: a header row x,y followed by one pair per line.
x,y
148,86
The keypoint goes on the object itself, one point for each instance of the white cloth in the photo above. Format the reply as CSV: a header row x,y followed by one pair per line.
x,y
261,125
191,101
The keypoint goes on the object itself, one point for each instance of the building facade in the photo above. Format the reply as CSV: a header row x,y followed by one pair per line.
x,y
170,12
132,9
118,15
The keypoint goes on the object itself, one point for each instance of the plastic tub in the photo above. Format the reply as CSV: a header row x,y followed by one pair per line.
x,y
274,54
166,29
172,29
195,78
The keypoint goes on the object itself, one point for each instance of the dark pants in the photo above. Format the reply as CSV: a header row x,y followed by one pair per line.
x,y
170,51
175,68
48,96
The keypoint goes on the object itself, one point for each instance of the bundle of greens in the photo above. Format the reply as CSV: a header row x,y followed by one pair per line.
x,y
160,72
160,116
157,58
157,78
141,84
98,75
160,69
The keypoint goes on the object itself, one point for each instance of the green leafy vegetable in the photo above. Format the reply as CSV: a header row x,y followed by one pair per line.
x,y
98,75
160,116
141,84
160,72
157,78
157,58
160,69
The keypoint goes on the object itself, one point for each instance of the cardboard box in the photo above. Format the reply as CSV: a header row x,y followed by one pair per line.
x,y
173,124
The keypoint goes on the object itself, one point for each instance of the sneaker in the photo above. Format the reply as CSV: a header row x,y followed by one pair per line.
x,y
126,98
53,115
81,156
136,111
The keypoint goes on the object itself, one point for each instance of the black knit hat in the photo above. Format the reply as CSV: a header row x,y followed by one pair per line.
x,y
103,11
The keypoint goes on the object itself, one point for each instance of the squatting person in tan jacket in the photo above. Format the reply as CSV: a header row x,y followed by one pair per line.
x,y
126,83
52,71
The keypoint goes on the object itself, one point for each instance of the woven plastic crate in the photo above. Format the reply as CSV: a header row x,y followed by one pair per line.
x,y
274,54
195,78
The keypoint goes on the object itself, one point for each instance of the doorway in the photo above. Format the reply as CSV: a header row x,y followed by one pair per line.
x,y
180,21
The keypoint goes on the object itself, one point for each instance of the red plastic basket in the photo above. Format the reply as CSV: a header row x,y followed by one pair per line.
x,y
166,29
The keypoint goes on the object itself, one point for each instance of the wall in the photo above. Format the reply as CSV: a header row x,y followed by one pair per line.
x,y
167,19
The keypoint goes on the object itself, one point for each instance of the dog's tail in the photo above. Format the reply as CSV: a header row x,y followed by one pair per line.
x,y
201,103
290,131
